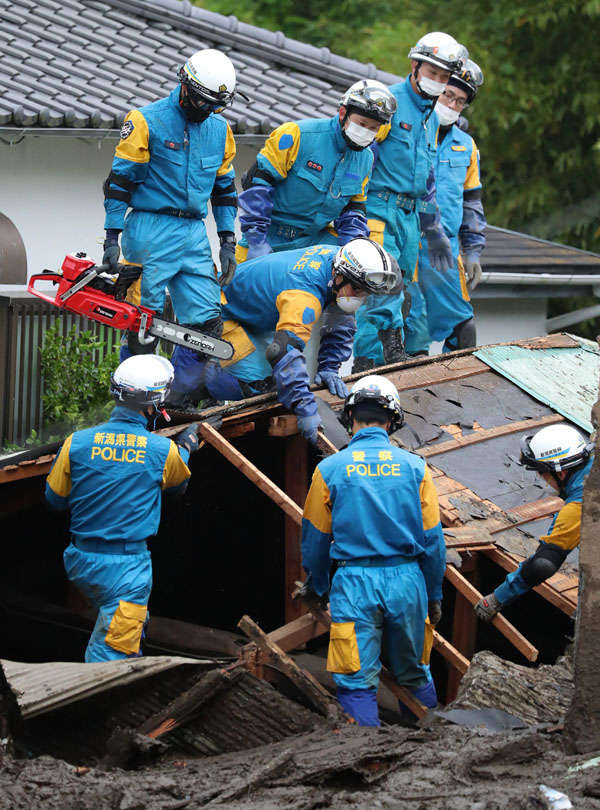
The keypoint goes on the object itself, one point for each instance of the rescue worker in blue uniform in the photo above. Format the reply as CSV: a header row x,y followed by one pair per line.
x,y
448,313
110,477
401,195
310,173
271,307
563,457
173,157
372,510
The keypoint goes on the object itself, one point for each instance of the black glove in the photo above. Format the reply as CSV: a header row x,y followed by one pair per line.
x,y
310,596
435,611
227,257
188,438
111,249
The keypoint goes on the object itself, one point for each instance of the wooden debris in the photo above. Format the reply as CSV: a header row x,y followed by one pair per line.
x,y
319,697
245,784
508,630
188,704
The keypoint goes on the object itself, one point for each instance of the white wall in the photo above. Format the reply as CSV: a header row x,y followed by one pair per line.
x,y
502,319
51,188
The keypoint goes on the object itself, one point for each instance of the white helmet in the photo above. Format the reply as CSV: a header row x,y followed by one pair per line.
x,y
377,392
555,448
441,50
366,265
370,98
209,76
469,78
142,380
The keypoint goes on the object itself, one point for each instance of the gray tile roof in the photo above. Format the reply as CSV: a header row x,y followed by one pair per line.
x,y
85,63
511,252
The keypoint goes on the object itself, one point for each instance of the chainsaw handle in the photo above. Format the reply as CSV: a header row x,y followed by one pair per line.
x,y
54,277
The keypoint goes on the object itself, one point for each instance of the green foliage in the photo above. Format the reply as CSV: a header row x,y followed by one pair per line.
x,y
537,118
76,381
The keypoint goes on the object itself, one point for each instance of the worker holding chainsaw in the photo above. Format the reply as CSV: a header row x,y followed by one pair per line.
x,y
563,457
312,173
401,199
448,312
173,157
111,477
372,511
270,309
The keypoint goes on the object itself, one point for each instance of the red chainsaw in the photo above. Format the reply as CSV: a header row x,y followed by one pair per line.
x,y
97,293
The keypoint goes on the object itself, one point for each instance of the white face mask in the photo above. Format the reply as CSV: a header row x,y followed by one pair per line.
x,y
430,87
349,303
361,136
446,115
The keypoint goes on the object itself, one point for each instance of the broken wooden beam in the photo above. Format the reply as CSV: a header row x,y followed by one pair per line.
x,y
247,468
508,630
319,697
189,703
298,632
485,435
296,482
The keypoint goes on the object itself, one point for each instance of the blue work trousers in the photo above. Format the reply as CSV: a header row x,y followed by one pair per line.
x,y
398,231
174,253
118,586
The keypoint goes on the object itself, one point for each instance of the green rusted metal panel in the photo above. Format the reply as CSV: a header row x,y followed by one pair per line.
x,y
566,379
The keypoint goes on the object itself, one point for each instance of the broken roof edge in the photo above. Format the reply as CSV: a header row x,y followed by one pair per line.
x,y
39,688
15,134
522,235
259,41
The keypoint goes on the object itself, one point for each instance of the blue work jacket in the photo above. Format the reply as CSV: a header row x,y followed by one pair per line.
x,y
163,161
111,477
284,291
406,146
373,500
311,176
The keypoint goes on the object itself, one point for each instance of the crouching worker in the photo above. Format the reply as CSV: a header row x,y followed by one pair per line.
x,y
111,477
562,456
271,307
373,510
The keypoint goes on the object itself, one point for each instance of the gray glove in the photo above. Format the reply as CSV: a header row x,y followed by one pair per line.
x,y
434,611
188,438
227,258
472,271
487,608
112,251
439,249
310,596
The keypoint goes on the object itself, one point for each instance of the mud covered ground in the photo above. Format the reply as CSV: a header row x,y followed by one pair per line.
x,y
393,767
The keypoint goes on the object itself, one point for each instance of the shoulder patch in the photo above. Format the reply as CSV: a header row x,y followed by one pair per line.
x,y
127,129
285,141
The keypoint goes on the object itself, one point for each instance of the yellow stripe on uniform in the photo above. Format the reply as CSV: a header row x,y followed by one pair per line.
x,y
463,280
228,153
376,230
293,307
175,471
237,336
282,160
135,146
430,507
241,253
362,197
567,527
427,642
317,509
473,180
59,478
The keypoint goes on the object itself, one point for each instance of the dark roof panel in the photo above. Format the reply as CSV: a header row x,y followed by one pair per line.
x,y
511,252
91,39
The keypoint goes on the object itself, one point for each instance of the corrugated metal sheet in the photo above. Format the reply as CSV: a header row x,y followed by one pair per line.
x,y
39,688
565,379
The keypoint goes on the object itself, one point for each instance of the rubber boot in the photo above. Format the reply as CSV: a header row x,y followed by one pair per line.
x,y
362,364
392,341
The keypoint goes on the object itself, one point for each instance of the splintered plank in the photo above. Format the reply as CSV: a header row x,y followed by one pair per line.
x,y
214,438
485,435
508,630
535,510
319,697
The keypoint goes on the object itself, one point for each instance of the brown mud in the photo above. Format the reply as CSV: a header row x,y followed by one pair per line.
x,y
442,767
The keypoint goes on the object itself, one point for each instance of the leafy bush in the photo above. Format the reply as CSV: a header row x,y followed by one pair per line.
x,y
76,382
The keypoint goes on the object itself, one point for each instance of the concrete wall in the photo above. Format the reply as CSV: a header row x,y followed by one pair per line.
x,y
52,190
